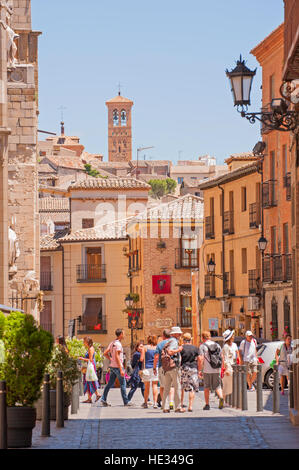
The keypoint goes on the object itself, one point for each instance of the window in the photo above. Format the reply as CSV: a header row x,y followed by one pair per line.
x,y
273,240
46,316
221,203
87,223
180,180
194,178
272,87
115,118
244,260
243,199
123,118
274,325
61,226
287,315
284,160
93,313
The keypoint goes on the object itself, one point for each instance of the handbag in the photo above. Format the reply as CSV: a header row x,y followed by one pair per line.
x,y
83,369
144,373
91,376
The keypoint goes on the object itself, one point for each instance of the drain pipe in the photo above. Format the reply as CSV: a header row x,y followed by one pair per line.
x,y
223,239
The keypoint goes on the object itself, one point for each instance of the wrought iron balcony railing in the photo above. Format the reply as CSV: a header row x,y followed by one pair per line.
x,y
91,273
91,325
277,268
228,227
254,215
209,286
184,317
185,259
209,227
287,185
269,194
46,280
254,281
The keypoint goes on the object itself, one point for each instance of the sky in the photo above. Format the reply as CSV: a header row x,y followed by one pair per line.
x,y
170,58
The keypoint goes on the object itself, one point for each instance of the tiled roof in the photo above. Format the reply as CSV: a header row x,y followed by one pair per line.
x,y
230,175
110,183
114,231
51,242
185,207
45,168
64,161
54,204
119,99
62,216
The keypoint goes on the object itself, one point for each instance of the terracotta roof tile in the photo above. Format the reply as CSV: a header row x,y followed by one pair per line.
x,y
110,183
51,242
54,204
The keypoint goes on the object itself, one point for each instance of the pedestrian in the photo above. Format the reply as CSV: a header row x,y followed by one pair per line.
x,y
211,362
282,357
115,354
171,358
248,357
61,341
149,376
135,379
157,362
190,370
230,355
90,386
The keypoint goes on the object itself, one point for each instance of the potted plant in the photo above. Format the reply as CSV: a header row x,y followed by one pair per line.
x,y
27,352
60,361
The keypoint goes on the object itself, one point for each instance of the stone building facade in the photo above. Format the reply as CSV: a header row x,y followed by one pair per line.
x,y
19,75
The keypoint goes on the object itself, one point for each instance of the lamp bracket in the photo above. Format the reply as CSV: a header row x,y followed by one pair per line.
x,y
274,120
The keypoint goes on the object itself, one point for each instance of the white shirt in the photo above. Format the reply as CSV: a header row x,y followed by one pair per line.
x,y
249,350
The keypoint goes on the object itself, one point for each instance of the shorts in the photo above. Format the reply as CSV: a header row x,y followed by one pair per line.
x,y
251,367
189,379
212,381
151,377
283,370
161,377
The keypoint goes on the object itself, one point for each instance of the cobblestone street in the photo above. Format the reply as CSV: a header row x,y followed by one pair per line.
x,y
118,427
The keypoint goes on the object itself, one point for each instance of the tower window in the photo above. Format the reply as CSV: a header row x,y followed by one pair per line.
x,y
115,118
123,118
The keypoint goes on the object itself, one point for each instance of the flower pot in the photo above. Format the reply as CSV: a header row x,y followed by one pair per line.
x,y
20,422
66,404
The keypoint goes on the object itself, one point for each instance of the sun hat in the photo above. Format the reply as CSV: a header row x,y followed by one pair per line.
x,y
228,334
248,333
187,336
176,330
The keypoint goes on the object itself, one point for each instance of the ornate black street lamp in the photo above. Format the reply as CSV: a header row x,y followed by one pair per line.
x,y
211,269
275,117
262,244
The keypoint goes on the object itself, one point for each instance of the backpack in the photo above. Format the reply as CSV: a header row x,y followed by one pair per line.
x,y
167,361
215,355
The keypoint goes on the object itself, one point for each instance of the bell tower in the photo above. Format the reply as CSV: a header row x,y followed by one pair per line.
x,y
119,129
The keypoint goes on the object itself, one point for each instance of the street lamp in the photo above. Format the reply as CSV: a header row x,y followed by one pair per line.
x,y
262,243
276,117
211,266
129,301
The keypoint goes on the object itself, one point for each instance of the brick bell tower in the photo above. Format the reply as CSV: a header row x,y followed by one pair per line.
x,y
119,129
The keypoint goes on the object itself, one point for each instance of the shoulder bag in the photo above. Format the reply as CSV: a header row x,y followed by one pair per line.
x,y
144,373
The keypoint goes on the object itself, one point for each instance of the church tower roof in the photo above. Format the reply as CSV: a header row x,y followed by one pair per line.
x,y
119,99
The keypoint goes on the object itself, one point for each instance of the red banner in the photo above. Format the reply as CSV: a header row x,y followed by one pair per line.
x,y
162,284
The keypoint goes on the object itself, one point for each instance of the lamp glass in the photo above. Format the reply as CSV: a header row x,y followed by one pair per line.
x,y
211,266
262,243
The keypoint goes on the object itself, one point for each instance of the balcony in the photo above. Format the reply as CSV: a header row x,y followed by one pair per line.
x,y
91,273
287,185
186,260
134,264
228,227
89,326
277,268
46,281
135,319
209,228
269,194
209,286
254,281
184,317
229,284
254,215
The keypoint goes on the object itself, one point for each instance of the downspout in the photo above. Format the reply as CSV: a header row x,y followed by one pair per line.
x,y
223,239
261,172
63,289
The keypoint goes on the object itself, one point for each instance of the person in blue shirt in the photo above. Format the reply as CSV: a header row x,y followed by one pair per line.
x,y
149,375
157,362
135,379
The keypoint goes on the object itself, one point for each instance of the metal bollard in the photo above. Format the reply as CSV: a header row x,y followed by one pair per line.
x,y
46,407
259,389
230,399
239,387
276,397
291,386
81,391
244,389
75,398
3,416
59,401
235,378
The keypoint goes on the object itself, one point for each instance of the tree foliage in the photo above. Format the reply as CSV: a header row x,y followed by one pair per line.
x,y
160,188
27,352
61,361
92,171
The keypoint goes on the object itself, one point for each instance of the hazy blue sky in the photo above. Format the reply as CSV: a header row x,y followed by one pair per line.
x,y
170,57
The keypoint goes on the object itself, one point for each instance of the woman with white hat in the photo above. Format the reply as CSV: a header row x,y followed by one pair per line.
x,y
230,355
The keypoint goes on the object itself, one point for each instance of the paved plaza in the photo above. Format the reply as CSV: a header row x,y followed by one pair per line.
x,y
119,427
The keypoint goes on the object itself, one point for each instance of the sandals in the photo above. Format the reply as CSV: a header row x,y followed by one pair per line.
x,y
190,410
166,411
180,410
98,398
87,401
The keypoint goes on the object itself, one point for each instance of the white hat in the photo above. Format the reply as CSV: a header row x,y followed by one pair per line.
x,y
248,333
176,330
228,334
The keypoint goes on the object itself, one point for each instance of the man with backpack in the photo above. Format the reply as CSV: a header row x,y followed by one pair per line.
x,y
248,354
170,360
211,362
